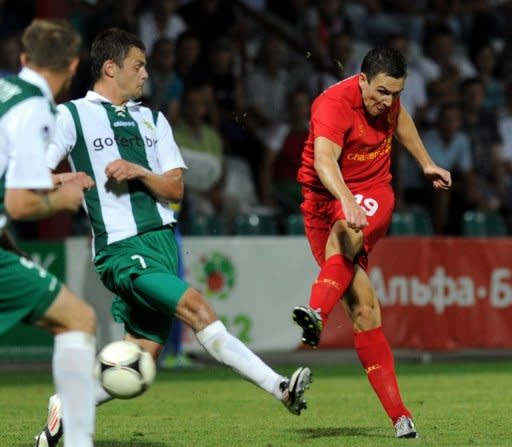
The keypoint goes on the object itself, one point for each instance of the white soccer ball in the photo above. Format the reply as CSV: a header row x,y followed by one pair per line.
x,y
125,370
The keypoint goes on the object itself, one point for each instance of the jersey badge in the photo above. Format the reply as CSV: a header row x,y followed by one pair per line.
x,y
149,125
119,110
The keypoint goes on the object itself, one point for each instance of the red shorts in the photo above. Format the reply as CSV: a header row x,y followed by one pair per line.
x,y
321,213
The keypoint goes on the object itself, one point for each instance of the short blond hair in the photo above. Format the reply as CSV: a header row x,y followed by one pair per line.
x,y
50,44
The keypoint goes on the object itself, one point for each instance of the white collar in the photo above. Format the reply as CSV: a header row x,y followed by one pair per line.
x,y
34,78
96,97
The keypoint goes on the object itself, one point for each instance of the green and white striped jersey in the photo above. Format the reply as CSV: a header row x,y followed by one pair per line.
x,y
92,132
27,121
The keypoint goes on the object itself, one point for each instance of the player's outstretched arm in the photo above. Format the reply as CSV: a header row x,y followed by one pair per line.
x,y
26,204
407,133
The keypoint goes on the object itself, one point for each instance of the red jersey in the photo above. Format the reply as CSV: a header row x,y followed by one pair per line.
x,y
339,115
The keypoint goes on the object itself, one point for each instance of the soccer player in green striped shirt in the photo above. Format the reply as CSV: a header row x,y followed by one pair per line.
x,y
130,153
28,293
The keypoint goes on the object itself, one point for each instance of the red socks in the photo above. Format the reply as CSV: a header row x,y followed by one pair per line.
x,y
333,280
377,359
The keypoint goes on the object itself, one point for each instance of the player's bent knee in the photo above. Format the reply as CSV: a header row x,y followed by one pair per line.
x,y
345,239
69,313
195,310
366,317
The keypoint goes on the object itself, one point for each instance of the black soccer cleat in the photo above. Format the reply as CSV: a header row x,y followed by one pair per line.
x,y
310,322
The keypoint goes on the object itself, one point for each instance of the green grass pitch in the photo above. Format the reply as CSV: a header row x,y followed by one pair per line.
x,y
454,404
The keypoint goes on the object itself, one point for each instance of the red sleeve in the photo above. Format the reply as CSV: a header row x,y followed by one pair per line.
x,y
331,119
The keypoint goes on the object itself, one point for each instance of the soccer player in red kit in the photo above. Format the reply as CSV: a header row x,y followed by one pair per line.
x,y
348,205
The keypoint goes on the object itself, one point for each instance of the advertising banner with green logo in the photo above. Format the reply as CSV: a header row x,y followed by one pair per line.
x,y
253,283
26,343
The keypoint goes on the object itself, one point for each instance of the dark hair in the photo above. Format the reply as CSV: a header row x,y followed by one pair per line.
x,y
185,35
469,82
388,61
159,44
50,44
445,108
112,44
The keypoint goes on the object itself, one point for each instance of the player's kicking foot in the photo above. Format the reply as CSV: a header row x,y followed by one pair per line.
x,y
50,435
293,390
311,323
404,428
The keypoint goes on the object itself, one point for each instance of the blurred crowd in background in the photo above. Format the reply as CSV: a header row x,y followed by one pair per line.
x,y
236,80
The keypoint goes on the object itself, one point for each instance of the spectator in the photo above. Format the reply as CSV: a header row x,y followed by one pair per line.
x,y
414,95
267,87
201,147
480,125
439,93
450,148
109,14
441,57
393,17
216,184
505,62
444,14
344,59
188,54
504,124
210,19
324,18
243,149
160,20
227,87
10,49
291,11
484,60
14,16
165,87
283,156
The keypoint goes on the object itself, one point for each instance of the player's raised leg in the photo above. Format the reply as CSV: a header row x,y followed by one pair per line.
x,y
338,247
196,312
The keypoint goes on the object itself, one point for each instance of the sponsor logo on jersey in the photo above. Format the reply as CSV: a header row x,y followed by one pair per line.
x,y
132,142
368,153
123,124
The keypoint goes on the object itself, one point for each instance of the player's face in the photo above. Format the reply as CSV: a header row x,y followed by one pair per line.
x,y
380,92
130,77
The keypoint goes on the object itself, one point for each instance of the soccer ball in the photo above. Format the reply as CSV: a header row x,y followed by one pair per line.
x,y
125,370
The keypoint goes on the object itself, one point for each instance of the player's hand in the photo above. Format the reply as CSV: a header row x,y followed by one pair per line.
x,y
80,178
68,197
354,214
440,178
121,170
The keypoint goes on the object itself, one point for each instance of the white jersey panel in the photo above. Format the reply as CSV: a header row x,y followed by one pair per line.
x,y
27,129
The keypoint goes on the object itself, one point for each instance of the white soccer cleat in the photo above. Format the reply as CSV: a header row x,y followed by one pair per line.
x,y
51,434
293,390
404,428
